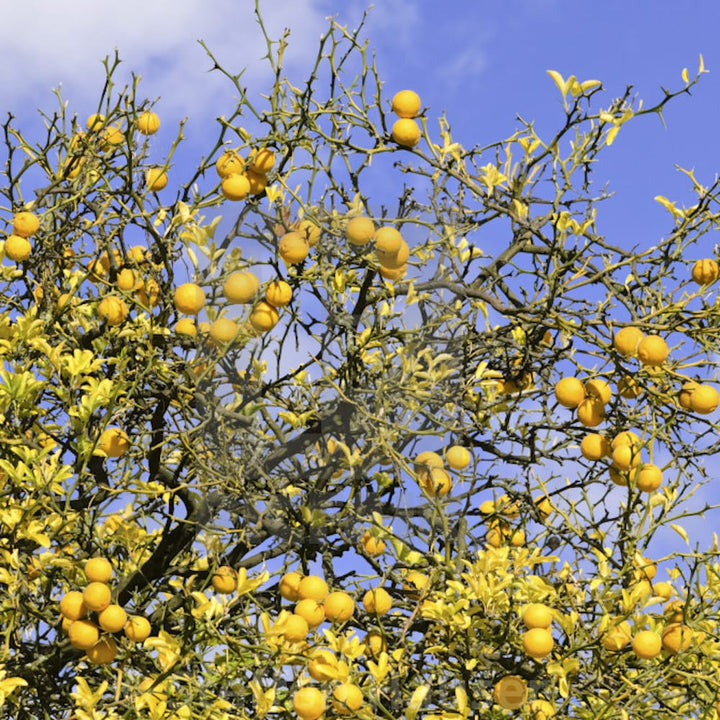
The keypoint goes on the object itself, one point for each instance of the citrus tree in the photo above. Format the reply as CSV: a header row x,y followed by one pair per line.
x,y
351,420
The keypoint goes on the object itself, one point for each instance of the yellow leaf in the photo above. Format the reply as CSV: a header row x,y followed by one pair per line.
x,y
562,85
685,76
416,701
680,530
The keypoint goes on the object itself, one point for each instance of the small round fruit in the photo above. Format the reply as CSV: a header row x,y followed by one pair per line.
x,y
538,642
229,163
113,135
223,330
186,326
647,644
360,231
312,586
148,123
114,442
258,182
426,461
591,412
705,272
312,610
83,634
339,606
309,703
629,388
97,596
156,179
240,287
704,399
537,615
127,280
296,628
224,580
310,231
112,310
278,293
685,393
235,187
72,605
511,692
648,478
17,248
293,248
627,339
261,161
264,317
569,392
676,638
289,585
598,389
347,698
98,569
437,482
406,104
663,589
25,224
653,350
396,260
594,447
375,643
457,457
103,652
625,457
137,629
371,545
392,274
388,242
377,601
189,298
406,132
617,636
322,665
95,122
541,710
112,619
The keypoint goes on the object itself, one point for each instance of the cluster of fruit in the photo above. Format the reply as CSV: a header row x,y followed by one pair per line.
x,y
405,131
85,614
240,179
430,470
17,245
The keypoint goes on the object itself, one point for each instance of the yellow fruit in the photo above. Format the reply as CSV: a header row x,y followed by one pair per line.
x,y
377,601
705,272
457,457
148,293
314,587
312,610
594,447
156,179
373,546
415,583
25,224
264,317
507,507
653,350
347,698
629,388
112,619
626,341
599,390
426,460
663,589
541,710
261,161
309,703
685,393
97,596
223,330
537,615
114,442
437,482
293,248
148,123
224,580
95,122
235,187
388,242
17,248
112,310
278,293
240,287
189,298
406,104
517,538
360,231
310,231
289,585
569,392
393,274
186,326
229,163
322,665
677,637
497,533
618,477
103,652
704,399
339,606
98,569
591,412
113,135
375,643
544,506
257,182
647,644
510,692
538,642
127,280
83,634
648,478
72,605
406,132
396,260
296,628
137,628
66,623
674,611
617,636
625,457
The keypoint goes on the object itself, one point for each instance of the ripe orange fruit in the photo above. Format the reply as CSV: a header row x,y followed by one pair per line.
x,y
360,231
541,710
83,634
312,586
278,293
114,442
704,399
224,580
598,389
663,589
189,298
137,628
113,135
310,231
223,330
653,350
98,569
373,546
677,637
229,163
257,182
591,412
289,586
538,642
72,605
617,636
594,447
148,123
393,274
626,341
648,478
235,187
17,248
95,122
347,698
406,104
127,280
437,482
406,132
156,179
537,615
112,619
293,247
309,703
25,224
312,610
264,317
457,457
261,161
544,505
375,643
705,272
625,457
296,628
647,644
388,242
510,692
396,260
103,652
415,583
569,392
97,596
685,393
426,460
112,310
629,388
240,287
186,326
339,606
377,601
322,665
